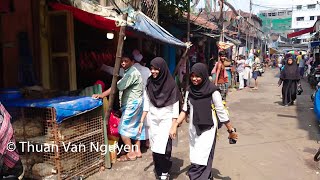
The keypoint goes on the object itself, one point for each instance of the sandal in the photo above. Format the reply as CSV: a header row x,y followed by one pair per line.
x,y
125,158
138,156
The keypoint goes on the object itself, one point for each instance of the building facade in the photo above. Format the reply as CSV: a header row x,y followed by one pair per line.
x,y
276,21
305,13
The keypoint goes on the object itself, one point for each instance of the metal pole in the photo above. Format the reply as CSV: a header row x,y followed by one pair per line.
x,y
246,40
114,81
250,20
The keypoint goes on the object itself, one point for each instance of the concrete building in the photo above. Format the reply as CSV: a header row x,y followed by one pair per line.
x,y
276,21
305,13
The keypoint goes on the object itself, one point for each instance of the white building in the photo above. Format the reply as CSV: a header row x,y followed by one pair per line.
x,y
305,13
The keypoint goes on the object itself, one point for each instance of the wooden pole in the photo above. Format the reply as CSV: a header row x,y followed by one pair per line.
x,y
103,2
114,80
186,56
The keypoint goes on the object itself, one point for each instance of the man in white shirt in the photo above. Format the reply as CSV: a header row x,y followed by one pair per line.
x,y
241,70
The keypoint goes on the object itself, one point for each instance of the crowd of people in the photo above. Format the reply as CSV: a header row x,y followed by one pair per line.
x,y
246,70
151,110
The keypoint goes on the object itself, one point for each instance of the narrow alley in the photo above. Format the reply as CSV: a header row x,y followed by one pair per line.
x,y
275,142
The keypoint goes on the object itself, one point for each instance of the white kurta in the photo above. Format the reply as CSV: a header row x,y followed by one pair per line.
x,y
200,146
159,121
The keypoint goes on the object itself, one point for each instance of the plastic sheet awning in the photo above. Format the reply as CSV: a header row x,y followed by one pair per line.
x,y
65,107
234,41
299,33
147,26
141,24
317,105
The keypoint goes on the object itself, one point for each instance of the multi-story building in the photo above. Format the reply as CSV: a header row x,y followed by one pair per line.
x,y
276,21
305,13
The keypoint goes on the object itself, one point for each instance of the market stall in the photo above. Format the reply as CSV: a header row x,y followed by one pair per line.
x,y
55,136
75,42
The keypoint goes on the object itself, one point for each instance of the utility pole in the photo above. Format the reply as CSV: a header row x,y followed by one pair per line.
x,y
250,27
221,20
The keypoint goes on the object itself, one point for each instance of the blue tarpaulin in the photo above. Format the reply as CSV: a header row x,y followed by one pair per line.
x,y
147,26
314,44
317,105
65,106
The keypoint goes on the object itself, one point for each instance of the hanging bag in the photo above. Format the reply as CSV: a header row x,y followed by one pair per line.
x,y
299,89
215,113
112,131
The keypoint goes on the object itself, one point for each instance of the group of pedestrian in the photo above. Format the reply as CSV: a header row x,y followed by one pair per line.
x,y
157,106
246,68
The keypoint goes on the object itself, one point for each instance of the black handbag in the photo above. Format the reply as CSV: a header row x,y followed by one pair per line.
x,y
299,89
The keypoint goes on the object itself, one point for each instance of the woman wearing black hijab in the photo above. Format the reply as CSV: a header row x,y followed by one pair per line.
x,y
161,104
290,78
203,122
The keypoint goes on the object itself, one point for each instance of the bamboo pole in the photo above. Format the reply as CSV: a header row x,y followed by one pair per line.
x,y
114,83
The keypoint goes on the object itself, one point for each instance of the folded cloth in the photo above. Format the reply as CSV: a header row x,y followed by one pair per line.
x,y
10,158
214,70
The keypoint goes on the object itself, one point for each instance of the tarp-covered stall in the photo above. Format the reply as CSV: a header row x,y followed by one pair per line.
x,y
138,22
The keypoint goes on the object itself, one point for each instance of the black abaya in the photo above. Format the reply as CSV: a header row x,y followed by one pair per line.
x,y
289,91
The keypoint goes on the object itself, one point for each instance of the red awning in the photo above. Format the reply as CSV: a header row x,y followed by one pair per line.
x,y
299,33
88,18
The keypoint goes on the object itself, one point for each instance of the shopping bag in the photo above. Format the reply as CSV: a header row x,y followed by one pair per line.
x,y
299,89
112,130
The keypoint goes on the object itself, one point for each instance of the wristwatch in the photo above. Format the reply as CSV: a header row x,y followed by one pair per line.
x,y
232,130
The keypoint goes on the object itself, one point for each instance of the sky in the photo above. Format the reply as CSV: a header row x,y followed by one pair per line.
x,y
244,4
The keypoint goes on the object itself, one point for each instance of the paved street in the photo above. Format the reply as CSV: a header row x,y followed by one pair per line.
x,y
275,142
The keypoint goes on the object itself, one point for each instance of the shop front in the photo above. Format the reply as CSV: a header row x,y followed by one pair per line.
x,y
52,62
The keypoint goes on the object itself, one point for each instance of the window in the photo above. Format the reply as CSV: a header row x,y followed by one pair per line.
x,y
271,14
311,6
311,17
281,13
289,12
299,7
300,18
263,14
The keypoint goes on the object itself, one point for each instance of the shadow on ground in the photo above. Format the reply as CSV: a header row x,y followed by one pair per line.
x,y
306,116
216,174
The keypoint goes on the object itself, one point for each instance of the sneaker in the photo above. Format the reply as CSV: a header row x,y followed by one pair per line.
x,y
164,176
